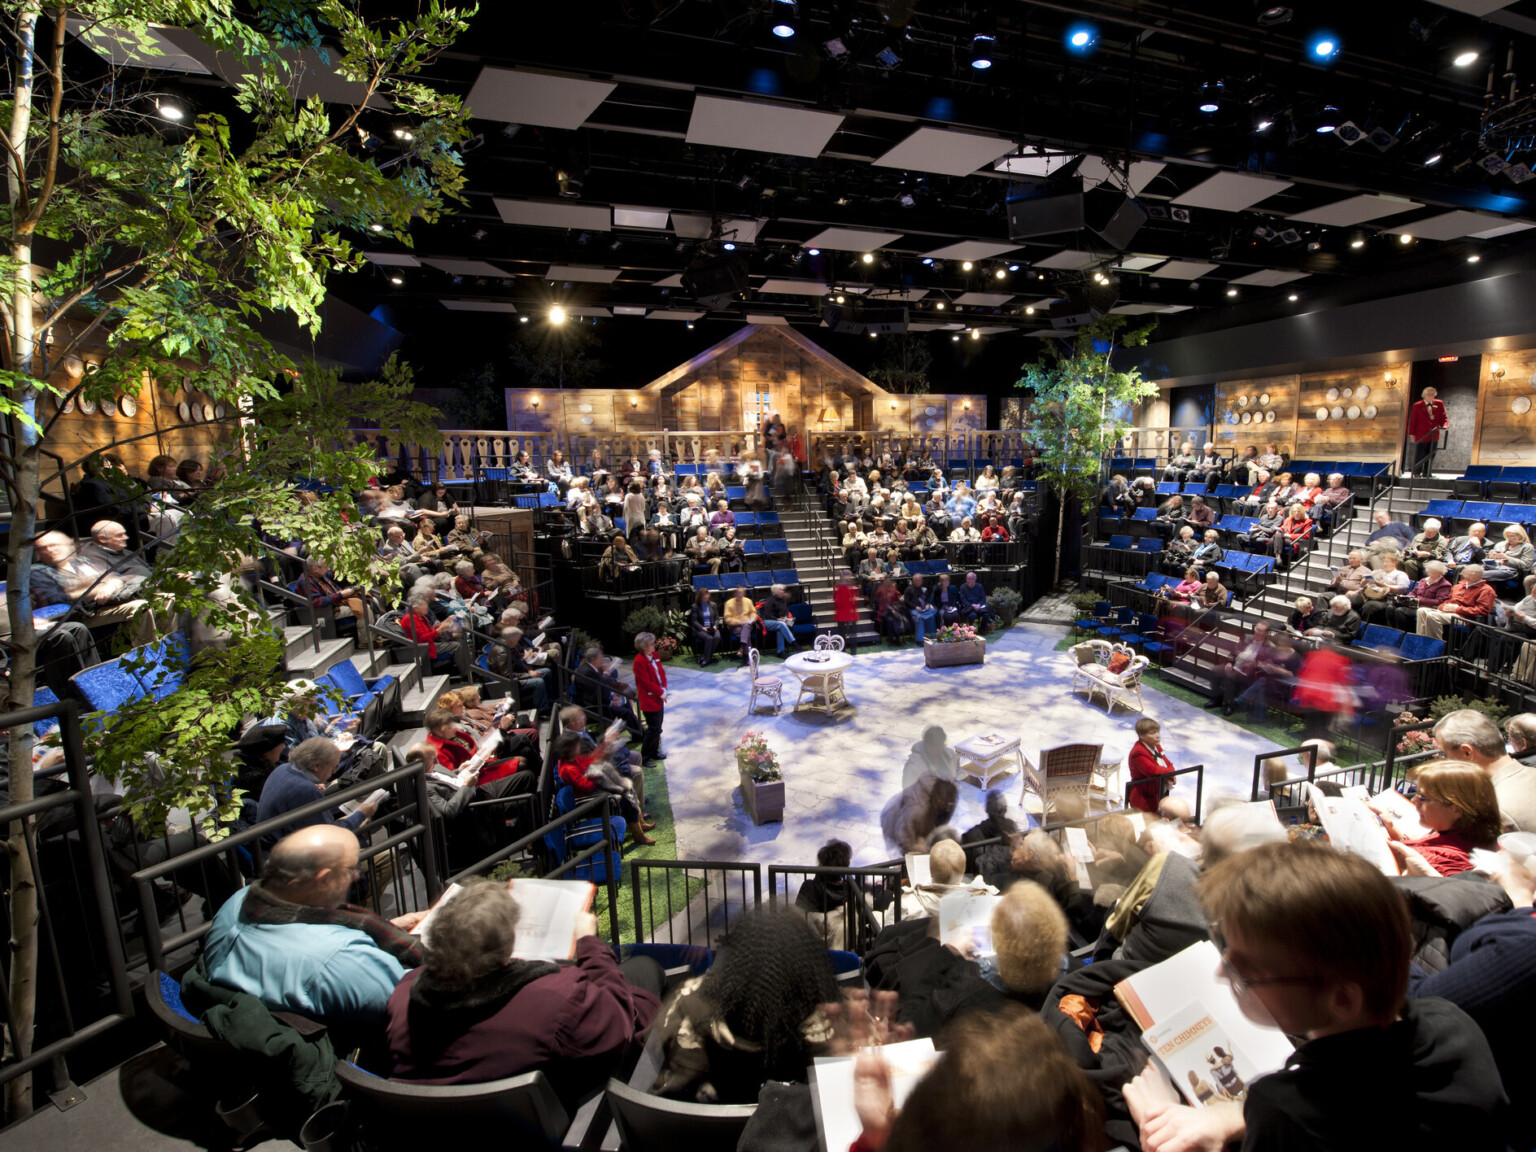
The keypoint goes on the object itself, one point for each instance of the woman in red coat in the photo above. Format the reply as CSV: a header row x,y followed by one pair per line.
x,y
1148,762
845,610
651,687
1425,419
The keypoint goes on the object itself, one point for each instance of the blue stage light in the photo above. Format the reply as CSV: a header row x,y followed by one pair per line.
x,y
1081,37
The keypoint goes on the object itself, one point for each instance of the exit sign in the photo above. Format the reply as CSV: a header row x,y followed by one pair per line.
x,y
1449,359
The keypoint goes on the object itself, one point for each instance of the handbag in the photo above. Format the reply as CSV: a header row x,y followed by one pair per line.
x,y
1376,590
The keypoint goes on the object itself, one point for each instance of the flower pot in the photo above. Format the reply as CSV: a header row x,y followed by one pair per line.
x,y
958,652
762,799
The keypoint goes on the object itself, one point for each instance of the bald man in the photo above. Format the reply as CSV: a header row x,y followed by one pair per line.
x,y
291,941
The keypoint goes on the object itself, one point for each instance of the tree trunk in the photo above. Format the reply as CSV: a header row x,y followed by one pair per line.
x,y
1061,518
18,593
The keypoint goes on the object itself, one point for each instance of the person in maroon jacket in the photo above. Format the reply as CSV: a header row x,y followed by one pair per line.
x,y
1425,419
471,1013
1147,761
651,686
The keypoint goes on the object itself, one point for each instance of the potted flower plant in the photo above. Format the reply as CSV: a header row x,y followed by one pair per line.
x,y
954,644
762,783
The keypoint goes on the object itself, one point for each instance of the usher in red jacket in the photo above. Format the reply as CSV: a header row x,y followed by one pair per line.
x,y
650,681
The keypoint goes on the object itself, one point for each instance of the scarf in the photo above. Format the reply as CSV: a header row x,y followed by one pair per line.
x,y
261,907
437,1014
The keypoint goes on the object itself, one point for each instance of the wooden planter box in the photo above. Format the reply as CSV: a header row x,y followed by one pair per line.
x,y
763,801
948,655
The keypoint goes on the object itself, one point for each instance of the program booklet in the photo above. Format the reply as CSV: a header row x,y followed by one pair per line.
x,y
546,920
1183,1006
1354,828
837,1120
918,871
968,910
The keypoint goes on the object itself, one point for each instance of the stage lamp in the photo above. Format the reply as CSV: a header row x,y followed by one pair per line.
x,y
1264,125
813,251
1209,97
940,305
982,46
1474,258
975,335
1274,14
170,109
1002,273
728,246
1231,291
1323,47
1029,309
1465,59
967,266
782,23
376,227
1328,120
397,280
1357,240
522,319
1082,37
557,315
1405,238
1432,159
868,257
956,338
1293,297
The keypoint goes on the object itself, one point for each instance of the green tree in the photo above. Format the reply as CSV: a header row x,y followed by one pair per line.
x,y
556,355
479,401
902,363
180,240
1079,396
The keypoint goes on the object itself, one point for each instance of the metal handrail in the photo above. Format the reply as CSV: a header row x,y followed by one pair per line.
x,y
1156,781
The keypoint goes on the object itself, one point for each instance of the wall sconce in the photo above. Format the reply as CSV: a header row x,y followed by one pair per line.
x,y
534,403
634,401
1388,379
966,405
1496,370
893,405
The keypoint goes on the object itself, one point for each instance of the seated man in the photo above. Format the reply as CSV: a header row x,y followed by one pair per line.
x,y
509,657
395,548
109,551
302,780
444,651
602,693
324,592
1244,670
872,570
1471,599
1331,499
1170,516
472,1014
1471,548
778,620
1389,535
1341,623
1428,545
1471,737
64,575
1263,532
1351,579
919,606
973,602
1340,986
291,941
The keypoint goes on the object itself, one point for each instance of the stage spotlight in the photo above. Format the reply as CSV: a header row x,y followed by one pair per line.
x,y
376,227
813,251
956,338
170,109
1405,238
782,22
927,261
1463,59
522,319
397,280
1324,46
728,246
1029,309
1002,273
1327,120
1274,14
975,333
868,257
940,305
1082,37
1474,258
557,315
1432,159
966,267
1264,125
982,46
1357,240
1210,95
1293,297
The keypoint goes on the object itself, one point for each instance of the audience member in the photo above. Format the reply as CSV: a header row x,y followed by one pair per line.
x,y
913,813
740,618
1455,800
930,756
1469,736
1148,761
1471,599
302,780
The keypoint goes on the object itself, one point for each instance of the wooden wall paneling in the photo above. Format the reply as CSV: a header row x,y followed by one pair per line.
x,y
1504,436
1232,433
1339,438
930,414
893,414
547,416
966,414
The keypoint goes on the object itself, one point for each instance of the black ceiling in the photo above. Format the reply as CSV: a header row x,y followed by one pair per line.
x,y
1133,96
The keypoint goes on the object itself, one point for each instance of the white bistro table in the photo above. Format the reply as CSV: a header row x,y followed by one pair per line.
x,y
988,757
821,677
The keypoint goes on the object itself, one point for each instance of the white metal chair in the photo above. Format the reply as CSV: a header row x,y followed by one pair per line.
x,y
1066,768
828,642
771,687
1092,673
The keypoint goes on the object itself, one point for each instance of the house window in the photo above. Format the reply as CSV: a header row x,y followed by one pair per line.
x,y
759,407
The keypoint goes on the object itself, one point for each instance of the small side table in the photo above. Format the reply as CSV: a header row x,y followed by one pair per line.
x,y
989,757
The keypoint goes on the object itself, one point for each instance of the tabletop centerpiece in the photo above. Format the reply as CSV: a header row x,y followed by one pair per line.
x,y
955,644
762,781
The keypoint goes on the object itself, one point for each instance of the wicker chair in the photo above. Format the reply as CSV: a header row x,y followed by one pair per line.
x,y
1092,673
828,642
1066,768
770,687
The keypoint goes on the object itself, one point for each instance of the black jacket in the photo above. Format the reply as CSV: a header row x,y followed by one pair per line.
x,y
696,618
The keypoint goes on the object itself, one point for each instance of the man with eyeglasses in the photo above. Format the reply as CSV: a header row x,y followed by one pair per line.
x,y
302,780
1317,943
291,941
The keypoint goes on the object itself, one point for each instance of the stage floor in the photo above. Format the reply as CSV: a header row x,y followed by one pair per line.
x,y
839,772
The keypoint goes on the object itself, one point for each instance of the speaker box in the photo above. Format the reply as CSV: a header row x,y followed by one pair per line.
x,y
857,318
714,281
1042,209
1084,304
1114,218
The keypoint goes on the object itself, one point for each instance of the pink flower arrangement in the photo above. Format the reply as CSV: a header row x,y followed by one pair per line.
x,y
954,634
1414,742
757,759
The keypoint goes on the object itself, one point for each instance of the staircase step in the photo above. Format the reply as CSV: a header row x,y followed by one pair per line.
x,y
312,662
409,675
414,704
297,638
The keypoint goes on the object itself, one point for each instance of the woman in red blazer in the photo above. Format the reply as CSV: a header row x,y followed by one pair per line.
x,y
1147,763
651,687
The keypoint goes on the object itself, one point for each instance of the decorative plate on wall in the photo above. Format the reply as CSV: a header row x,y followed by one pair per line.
x,y
219,411
1346,394
1336,412
108,409
1520,405
207,411
931,411
1354,412
1532,380
1362,392
1370,411
184,410
1247,417
588,419
1269,417
127,405
584,408
87,406
1333,393
69,405
1264,399
1322,413
1242,401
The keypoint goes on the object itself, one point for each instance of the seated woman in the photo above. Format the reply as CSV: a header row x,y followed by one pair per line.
x,y
453,745
1180,551
755,1016
1182,464
472,1014
995,530
469,542
987,481
466,582
1456,802
474,833
1208,551
705,626
617,557
1285,489
431,550
436,505
591,773
1511,558
1185,590
732,554
890,618
1291,538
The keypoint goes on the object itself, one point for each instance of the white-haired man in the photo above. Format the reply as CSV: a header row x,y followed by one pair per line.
x,y
1471,599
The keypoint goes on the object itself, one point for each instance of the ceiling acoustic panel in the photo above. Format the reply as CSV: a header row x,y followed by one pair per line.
x,y
674,314
1095,171
1356,210
478,306
1183,270
1069,259
394,259
765,318
1137,263
1136,309
581,273
1270,278
625,216
793,287
761,127
1038,164
1451,225
553,214
465,267
851,239
674,281
628,310
985,299
944,152
700,226
1231,191
1502,229
971,250
519,96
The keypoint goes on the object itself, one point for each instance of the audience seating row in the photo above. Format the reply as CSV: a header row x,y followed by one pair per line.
x,y
1492,480
154,670
1459,513
1408,645
789,577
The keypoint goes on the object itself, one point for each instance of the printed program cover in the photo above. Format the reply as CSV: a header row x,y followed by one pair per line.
x,y
1200,1057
